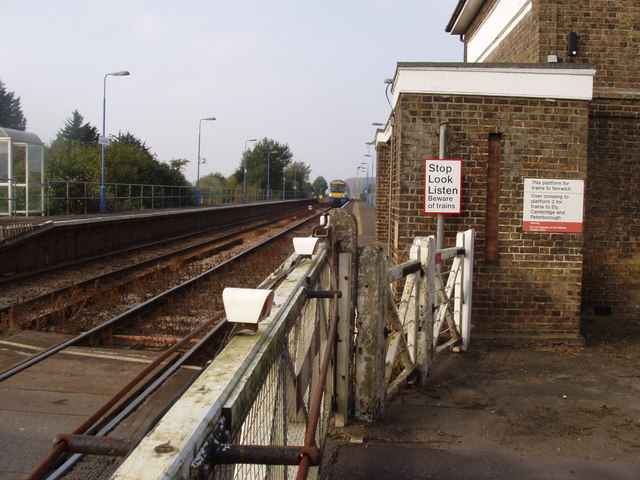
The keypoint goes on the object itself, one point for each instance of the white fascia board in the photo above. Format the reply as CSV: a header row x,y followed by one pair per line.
x,y
504,17
465,12
383,135
556,83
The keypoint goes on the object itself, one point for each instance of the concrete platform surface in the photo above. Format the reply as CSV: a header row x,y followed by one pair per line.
x,y
365,215
60,393
505,413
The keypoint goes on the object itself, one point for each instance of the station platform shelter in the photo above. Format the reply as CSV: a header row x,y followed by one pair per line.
x,y
21,173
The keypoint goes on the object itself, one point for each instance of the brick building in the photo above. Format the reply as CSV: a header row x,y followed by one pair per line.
x,y
546,92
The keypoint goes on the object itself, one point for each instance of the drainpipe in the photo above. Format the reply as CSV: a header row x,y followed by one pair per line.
x,y
440,216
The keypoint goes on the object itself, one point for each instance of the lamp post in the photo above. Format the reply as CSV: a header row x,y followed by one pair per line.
x,y
283,178
358,181
269,174
368,186
365,165
244,180
295,181
198,160
103,140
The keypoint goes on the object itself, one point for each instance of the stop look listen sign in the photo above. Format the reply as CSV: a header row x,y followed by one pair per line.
x,y
442,186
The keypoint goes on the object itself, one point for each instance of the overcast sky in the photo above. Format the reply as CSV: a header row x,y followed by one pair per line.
x,y
306,73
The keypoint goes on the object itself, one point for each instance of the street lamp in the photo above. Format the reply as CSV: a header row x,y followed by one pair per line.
x,y
360,167
365,165
244,181
295,182
198,170
268,174
103,140
368,187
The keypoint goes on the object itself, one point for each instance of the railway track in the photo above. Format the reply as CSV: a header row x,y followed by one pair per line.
x,y
61,299
184,322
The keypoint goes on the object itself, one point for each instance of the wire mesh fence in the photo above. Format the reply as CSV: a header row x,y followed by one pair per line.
x,y
258,392
74,197
280,410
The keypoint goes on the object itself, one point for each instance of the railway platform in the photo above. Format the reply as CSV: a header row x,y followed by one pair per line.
x,y
58,239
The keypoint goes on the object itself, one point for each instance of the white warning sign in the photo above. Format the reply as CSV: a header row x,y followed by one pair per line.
x,y
553,205
442,186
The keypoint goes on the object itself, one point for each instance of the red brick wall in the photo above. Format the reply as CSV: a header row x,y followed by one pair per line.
x,y
612,233
534,285
522,43
383,155
608,38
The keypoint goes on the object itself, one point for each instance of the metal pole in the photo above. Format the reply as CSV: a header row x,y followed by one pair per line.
x,y
368,192
244,181
103,188
440,217
198,162
103,191
269,175
198,159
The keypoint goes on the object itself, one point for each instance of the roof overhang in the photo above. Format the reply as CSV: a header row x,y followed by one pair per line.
x,y
543,80
19,136
384,134
463,15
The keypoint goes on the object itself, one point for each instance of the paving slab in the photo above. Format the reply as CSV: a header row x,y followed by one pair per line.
x,y
505,413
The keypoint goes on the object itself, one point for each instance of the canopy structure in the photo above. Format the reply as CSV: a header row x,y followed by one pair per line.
x,y
21,173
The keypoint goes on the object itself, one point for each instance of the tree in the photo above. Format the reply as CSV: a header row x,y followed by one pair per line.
x,y
297,176
320,186
130,139
75,155
10,110
75,131
213,180
256,161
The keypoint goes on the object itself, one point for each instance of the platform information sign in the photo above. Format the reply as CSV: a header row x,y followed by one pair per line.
x,y
553,205
442,186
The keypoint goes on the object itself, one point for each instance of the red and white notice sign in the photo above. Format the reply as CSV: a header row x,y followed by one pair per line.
x,y
553,205
442,186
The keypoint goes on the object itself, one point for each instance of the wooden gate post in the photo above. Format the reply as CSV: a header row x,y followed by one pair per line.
x,y
344,245
426,295
373,295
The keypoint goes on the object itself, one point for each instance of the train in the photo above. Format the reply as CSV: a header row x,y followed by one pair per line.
x,y
338,193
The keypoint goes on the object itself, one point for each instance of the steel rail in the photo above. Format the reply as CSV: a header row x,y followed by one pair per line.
x,y
64,468
132,249
152,261
119,319
60,447
135,402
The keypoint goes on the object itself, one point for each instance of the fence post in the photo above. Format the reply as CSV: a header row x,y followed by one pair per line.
x,y
343,246
426,294
373,295
466,240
